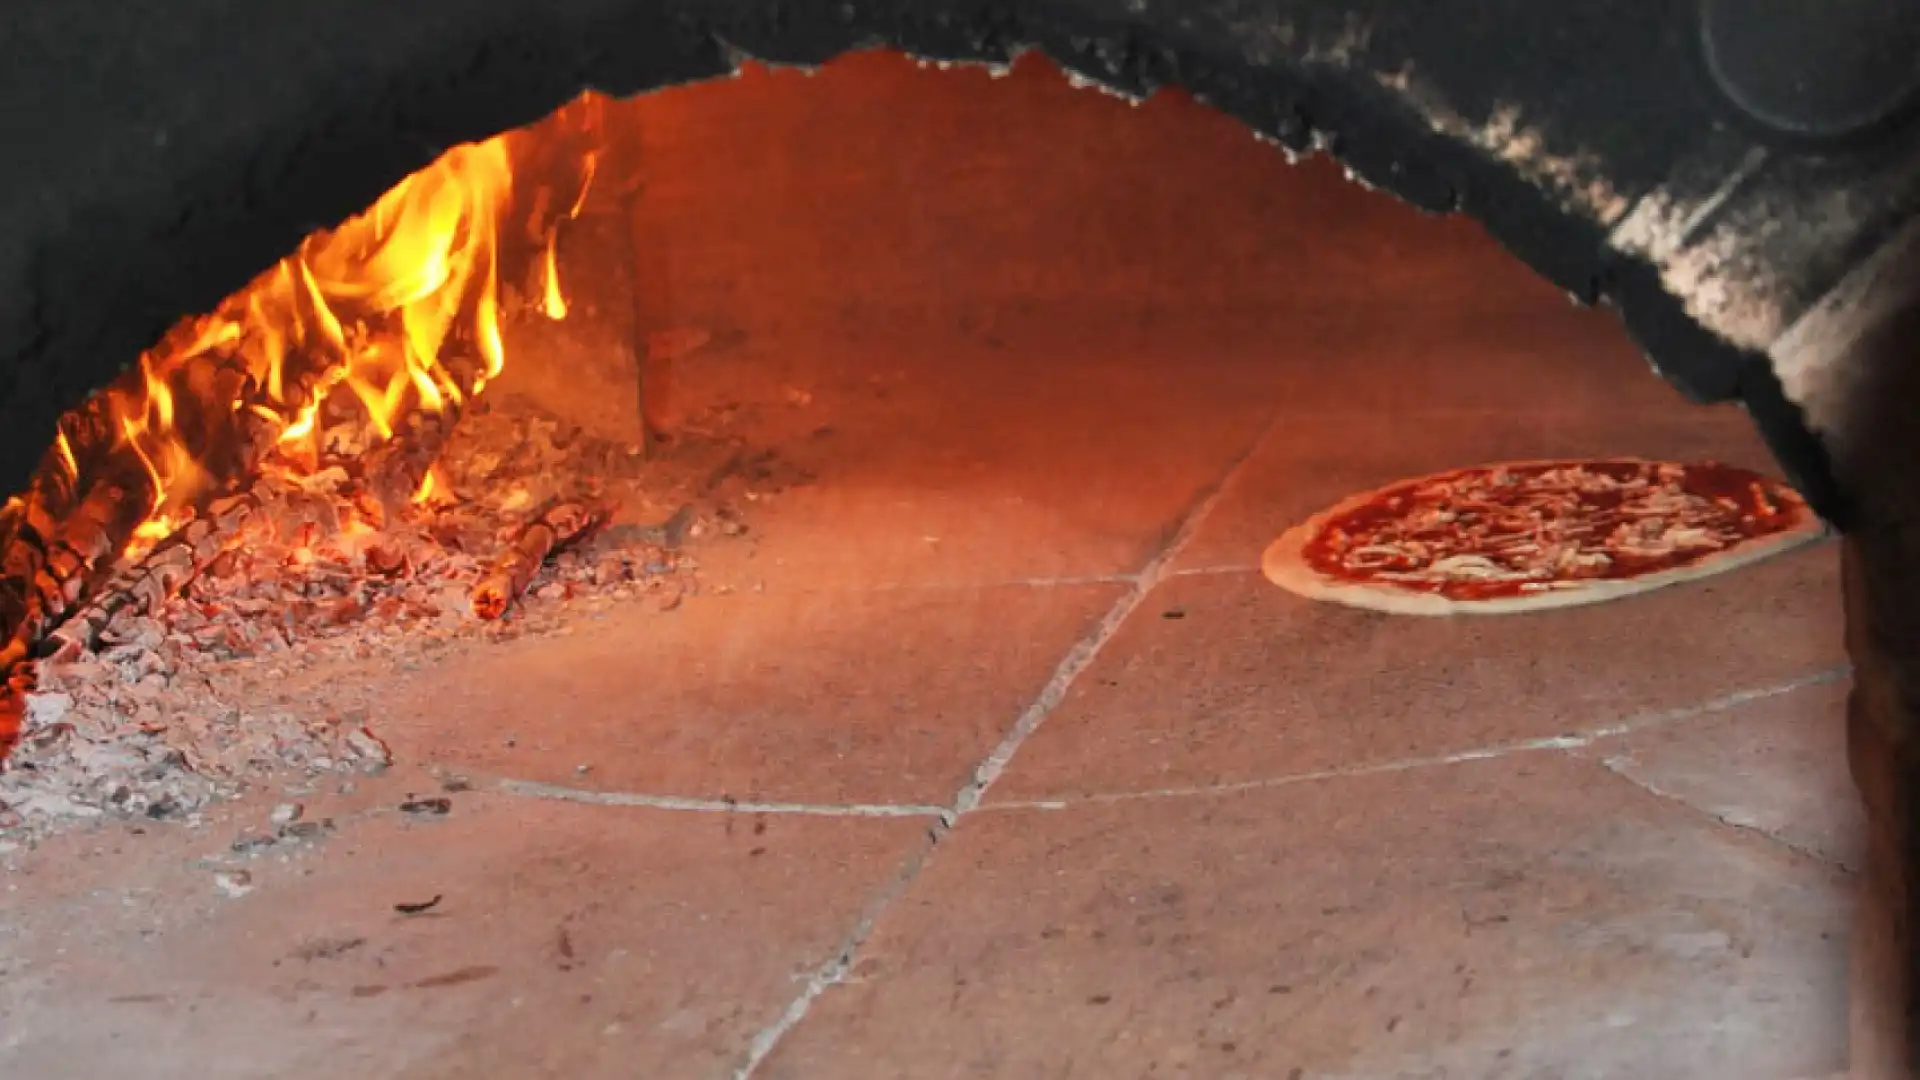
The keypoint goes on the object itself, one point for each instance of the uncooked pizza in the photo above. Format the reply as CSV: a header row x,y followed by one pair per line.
x,y
1524,536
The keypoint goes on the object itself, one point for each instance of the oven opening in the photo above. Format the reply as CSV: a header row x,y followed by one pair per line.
x,y
894,447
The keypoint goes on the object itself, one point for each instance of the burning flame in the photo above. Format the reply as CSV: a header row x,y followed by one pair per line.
x,y
348,341
429,488
553,304
395,311
367,308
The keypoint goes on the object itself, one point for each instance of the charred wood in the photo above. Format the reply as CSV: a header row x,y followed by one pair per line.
x,y
547,532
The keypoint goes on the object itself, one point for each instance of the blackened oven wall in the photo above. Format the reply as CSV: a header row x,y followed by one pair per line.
x,y
161,153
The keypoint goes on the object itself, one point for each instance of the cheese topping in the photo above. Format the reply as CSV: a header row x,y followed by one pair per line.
x,y
1512,529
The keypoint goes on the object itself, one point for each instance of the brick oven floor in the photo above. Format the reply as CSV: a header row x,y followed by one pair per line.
x,y
1199,828
1202,828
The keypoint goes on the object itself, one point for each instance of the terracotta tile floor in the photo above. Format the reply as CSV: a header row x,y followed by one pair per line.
x,y
1066,790
999,761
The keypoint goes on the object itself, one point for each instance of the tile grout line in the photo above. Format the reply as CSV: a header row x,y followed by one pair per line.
x,y
560,793
944,815
1215,571
1043,582
1573,741
1083,653
835,970
1756,831
1078,658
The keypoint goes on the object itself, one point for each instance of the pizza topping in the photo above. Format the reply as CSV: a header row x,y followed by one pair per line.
x,y
1510,529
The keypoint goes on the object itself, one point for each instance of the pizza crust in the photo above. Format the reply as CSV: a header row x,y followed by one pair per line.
x,y
1285,564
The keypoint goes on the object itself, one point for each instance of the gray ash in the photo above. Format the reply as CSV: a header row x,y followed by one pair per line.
x,y
151,717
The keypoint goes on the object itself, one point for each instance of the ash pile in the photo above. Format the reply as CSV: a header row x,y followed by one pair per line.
x,y
139,708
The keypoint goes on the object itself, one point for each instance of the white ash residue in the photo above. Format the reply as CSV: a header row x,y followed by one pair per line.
x,y
132,733
167,712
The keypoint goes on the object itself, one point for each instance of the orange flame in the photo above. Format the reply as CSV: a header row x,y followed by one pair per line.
x,y
68,463
395,312
429,491
367,308
554,305
589,168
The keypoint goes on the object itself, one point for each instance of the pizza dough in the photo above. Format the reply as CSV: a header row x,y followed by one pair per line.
x,y
1535,535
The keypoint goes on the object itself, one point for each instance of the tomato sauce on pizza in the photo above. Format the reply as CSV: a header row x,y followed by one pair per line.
x,y
1521,529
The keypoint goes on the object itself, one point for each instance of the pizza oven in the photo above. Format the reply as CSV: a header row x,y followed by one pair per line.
x,y
701,408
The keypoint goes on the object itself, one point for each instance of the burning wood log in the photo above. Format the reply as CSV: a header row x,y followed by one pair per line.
x,y
73,591
395,470
51,564
219,397
546,533
144,586
392,472
62,564
60,540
